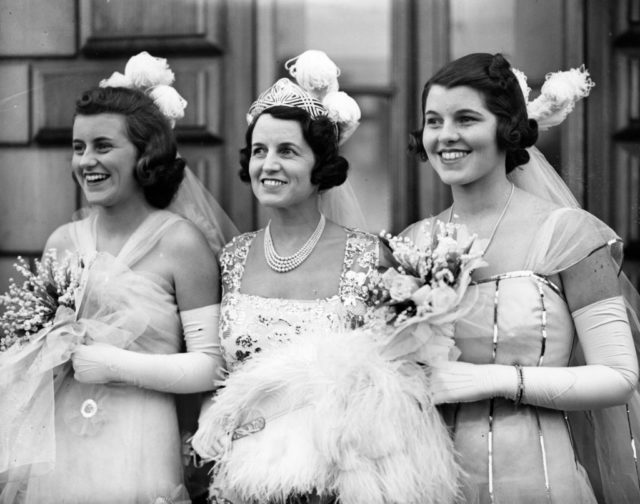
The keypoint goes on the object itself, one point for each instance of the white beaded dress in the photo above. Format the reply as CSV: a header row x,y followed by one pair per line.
x,y
249,323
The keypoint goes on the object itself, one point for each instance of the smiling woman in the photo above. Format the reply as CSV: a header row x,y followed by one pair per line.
x,y
104,159
304,273
149,290
550,286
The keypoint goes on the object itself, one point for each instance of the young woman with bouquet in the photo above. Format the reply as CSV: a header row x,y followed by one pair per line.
x,y
546,329
87,407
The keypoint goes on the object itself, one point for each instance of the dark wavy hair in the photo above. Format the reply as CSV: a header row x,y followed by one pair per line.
x,y
321,134
158,171
491,76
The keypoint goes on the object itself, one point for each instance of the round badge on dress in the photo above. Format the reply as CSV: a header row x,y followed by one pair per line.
x,y
89,408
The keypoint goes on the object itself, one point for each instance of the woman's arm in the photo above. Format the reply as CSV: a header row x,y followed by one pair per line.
x,y
196,280
611,371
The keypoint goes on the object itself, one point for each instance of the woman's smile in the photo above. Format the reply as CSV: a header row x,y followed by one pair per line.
x,y
273,183
93,179
453,155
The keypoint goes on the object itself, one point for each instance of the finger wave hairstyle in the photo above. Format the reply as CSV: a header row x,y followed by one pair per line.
x,y
321,134
491,76
158,171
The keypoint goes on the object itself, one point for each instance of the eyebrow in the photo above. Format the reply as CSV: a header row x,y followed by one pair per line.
x,y
97,139
461,111
282,144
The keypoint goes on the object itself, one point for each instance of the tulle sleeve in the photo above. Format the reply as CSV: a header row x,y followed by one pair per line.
x,y
566,237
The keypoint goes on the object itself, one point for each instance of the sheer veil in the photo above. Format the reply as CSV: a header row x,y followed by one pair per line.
x,y
538,177
195,203
341,205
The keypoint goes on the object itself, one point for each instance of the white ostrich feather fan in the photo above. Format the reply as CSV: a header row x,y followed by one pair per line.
x,y
339,419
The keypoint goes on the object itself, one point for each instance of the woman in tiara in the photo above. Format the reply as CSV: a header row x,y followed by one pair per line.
x,y
104,429
304,273
551,282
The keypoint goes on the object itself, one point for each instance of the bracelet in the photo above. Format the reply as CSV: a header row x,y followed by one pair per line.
x,y
520,389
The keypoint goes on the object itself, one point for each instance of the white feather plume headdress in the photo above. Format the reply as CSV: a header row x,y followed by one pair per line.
x,y
316,92
152,76
558,95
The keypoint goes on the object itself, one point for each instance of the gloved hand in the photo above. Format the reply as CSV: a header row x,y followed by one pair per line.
x,y
94,363
610,376
453,382
194,371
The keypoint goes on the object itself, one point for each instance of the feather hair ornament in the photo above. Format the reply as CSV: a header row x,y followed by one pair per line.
x,y
152,76
558,95
335,417
316,91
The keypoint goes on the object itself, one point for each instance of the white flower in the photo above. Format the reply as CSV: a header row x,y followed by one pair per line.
x,y
342,108
169,101
446,245
422,296
443,298
315,72
400,287
144,70
116,80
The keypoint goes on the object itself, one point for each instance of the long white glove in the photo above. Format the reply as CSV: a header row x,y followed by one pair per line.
x,y
194,371
608,379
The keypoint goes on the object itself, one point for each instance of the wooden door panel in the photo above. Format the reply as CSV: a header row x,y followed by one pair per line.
x,y
157,26
14,103
37,28
56,89
38,195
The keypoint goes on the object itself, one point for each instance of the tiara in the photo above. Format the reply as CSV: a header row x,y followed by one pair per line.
x,y
286,93
316,92
154,77
558,95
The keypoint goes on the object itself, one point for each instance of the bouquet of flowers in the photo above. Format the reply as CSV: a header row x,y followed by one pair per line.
x,y
48,293
424,290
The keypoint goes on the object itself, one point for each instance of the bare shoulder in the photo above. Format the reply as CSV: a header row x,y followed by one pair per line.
x,y
60,239
184,242
192,265
528,212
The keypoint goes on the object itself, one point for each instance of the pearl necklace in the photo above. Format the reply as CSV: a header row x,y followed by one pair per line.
x,y
282,264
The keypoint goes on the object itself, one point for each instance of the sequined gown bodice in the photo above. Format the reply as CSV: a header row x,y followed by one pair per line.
x,y
524,454
250,322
